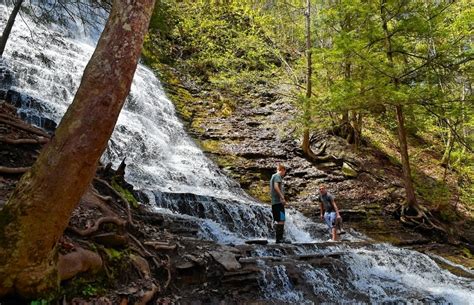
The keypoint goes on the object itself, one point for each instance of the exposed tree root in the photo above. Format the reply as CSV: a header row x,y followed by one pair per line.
x,y
145,251
95,227
13,170
104,198
78,261
141,265
23,126
40,140
93,198
419,217
125,201
168,270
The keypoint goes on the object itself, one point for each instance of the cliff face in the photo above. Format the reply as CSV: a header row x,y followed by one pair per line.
x,y
249,134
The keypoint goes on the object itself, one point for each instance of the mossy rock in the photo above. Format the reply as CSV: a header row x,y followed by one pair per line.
x,y
348,171
260,191
126,194
230,161
226,110
211,146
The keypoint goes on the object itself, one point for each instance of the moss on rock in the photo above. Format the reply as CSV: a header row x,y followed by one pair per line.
x,y
125,193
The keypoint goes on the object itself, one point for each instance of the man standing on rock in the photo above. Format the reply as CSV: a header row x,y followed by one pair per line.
x,y
329,211
278,201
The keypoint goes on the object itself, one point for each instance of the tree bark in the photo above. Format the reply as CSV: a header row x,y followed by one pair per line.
x,y
9,26
402,138
447,150
39,209
306,145
356,128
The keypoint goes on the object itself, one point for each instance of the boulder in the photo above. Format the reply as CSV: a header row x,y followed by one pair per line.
x,y
348,170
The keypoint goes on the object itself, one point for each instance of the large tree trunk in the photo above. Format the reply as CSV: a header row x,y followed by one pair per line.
x,y
9,26
306,146
39,209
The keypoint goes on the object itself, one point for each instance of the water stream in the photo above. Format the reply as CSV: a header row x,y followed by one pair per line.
x,y
163,161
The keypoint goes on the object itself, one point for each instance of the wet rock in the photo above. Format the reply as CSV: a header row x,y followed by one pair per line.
x,y
31,110
353,215
185,265
195,259
226,259
247,276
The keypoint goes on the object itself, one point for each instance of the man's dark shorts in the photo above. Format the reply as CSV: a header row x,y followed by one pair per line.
x,y
278,211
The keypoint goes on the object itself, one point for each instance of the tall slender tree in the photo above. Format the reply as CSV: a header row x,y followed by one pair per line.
x,y
36,215
307,113
402,137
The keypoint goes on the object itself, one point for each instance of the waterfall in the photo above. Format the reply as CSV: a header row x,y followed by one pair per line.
x,y
47,63
162,159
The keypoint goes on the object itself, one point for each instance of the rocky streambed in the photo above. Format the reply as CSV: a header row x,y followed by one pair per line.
x,y
247,135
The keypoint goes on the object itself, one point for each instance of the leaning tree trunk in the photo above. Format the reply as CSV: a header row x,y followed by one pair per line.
x,y
39,209
9,26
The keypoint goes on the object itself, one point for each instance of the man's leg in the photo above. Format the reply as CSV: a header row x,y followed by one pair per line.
x,y
327,220
281,223
330,219
279,228
279,219
333,226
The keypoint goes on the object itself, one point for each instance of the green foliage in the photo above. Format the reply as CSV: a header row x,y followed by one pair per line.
x,y
113,254
85,287
223,45
89,290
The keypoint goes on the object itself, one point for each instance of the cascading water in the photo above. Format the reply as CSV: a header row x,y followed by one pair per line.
x,y
164,162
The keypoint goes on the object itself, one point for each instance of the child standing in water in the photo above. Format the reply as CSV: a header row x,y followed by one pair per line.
x,y
329,211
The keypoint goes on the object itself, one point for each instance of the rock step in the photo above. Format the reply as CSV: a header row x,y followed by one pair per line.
x,y
304,257
322,245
